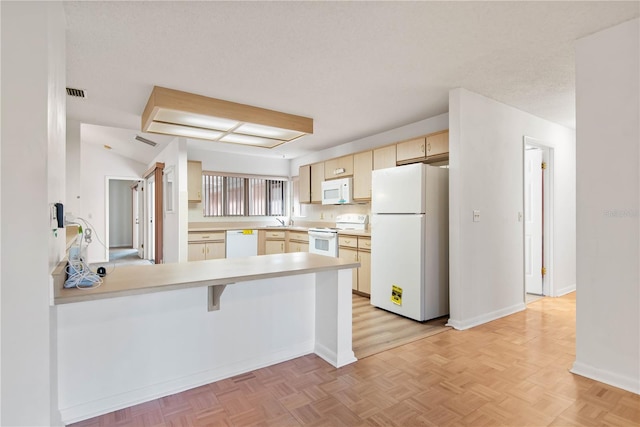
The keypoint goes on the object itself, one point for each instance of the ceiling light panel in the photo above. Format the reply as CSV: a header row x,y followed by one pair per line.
x,y
251,140
268,132
194,120
173,112
189,132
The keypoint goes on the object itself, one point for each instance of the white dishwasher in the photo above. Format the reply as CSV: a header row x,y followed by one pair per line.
x,y
241,243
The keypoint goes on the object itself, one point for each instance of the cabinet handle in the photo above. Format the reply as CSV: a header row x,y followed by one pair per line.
x,y
282,247
207,249
205,237
203,250
199,195
347,241
428,147
422,148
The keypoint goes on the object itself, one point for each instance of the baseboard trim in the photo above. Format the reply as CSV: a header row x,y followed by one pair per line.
x,y
334,359
606,377
563,291
461,325
134,397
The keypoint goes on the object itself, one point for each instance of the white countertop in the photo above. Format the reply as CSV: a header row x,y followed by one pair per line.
x,y
140,279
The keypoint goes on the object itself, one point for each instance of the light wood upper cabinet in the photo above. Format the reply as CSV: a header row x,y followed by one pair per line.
x,y
362,167
317,176
414,149
194,180
339,167
304,184
438,145
384,157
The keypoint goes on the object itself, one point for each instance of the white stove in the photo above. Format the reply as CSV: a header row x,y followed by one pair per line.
x,y
324,240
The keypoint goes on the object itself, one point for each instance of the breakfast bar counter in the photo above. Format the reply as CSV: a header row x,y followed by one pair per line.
x,y
154,330
141,279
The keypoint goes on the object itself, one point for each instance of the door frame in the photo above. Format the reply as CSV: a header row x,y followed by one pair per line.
x,y
157,171
107,180
547,214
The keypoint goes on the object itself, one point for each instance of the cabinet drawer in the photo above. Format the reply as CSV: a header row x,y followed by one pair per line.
x,y
364,243
348,241
205,236
299,236
272,235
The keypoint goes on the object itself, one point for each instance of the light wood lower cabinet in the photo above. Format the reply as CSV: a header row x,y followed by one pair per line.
x,y
357,248
206,245
297,241
274,242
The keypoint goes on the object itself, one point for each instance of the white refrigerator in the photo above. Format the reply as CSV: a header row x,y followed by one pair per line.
x,y
410,241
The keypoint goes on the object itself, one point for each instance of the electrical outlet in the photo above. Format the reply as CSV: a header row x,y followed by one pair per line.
x,y
321,215
476,216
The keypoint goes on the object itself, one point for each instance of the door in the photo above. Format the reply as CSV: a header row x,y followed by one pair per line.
x,y
150,215
397,260
533,214
137,203
398,190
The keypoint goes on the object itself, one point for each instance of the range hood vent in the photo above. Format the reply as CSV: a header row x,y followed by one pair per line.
x,y
76,93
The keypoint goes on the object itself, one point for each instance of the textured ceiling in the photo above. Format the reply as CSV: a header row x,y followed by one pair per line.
x,y
356,68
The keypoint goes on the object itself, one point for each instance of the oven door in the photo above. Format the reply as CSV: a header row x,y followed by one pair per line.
x,y
323,243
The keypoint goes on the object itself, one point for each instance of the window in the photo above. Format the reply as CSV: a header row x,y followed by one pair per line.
x,y
234,195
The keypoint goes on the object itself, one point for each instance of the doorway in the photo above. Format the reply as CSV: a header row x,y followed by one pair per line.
x,y
119,214
537,218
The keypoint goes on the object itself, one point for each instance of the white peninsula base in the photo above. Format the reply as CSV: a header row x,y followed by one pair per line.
x,y
118,352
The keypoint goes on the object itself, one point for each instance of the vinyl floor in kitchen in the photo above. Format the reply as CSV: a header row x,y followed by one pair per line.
x,y
513,371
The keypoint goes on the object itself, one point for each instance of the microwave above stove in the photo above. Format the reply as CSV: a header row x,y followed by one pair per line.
x,y
337,191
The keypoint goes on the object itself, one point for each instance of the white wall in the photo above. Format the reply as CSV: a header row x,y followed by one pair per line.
x,y
97,164
72,166
118,352
175,225
608,288
33,146
234,163
120,213
486,173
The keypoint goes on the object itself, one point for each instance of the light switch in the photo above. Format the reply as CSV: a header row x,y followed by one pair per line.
x,y
476,216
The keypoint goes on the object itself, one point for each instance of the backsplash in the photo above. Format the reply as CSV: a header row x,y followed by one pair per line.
x,y
328,213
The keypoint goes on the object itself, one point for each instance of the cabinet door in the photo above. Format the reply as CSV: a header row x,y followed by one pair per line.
x,y
317,176
304,184
196,252
414,149
194,180
362,166
339,167
364,272
274,247
298,247
350,255
215,250
438,145
384,157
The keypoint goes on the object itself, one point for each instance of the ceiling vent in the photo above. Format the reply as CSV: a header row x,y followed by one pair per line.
x,y
76,93
146,141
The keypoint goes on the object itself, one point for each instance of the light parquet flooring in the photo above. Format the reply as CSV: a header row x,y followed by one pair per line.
x,y
510,372
376,330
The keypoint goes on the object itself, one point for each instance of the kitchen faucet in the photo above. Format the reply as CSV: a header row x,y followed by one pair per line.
x,y
281,221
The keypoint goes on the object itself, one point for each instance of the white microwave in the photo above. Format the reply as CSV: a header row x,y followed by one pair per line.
x,y
337,191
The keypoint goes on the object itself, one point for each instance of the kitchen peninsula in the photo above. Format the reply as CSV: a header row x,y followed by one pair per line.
x,y
154,330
